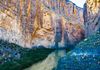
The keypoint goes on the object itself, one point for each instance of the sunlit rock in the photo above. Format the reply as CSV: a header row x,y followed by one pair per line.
x,y
46,22
92,16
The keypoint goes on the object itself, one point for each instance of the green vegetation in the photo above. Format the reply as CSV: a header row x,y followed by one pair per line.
x,y
92,41
85,56
14,57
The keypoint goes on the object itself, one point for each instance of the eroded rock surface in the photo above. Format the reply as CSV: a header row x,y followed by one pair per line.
x,y
43,22
92,16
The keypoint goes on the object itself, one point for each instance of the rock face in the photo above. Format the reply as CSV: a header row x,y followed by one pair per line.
x,y
44,22
92,16
10,30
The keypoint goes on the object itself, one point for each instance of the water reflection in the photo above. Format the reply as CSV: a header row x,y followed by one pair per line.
x,y
50,63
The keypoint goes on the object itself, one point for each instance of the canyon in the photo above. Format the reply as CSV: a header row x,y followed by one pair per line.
x,y
55,34
47,23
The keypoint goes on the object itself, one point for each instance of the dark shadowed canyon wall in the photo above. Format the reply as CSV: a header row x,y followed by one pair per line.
x,y
92,16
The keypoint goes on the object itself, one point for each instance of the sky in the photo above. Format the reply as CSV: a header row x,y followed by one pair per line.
x,y
79,3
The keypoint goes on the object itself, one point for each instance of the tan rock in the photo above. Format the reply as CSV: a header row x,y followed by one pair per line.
x,y
44,23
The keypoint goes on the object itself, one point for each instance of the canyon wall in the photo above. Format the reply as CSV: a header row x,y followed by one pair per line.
x,y
48,23
92,17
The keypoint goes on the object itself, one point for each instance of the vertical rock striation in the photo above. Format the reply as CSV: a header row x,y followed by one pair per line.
x,y
92,16
42,22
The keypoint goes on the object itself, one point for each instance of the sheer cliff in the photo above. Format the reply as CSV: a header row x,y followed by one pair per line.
x,y
92,16
41,22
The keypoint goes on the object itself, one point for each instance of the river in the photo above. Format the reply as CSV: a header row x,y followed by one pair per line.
x,y
50,63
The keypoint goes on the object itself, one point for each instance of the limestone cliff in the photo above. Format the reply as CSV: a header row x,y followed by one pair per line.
x,y
92,16
41,22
